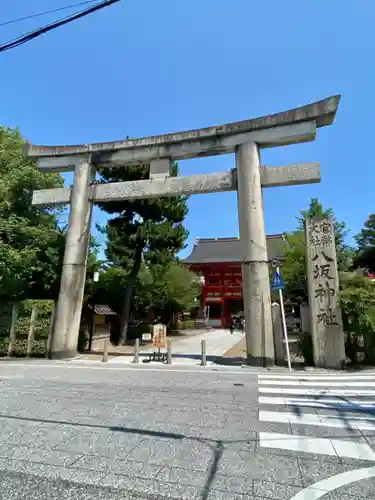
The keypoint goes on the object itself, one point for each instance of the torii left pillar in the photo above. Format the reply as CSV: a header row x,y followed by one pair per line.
x,y
67,317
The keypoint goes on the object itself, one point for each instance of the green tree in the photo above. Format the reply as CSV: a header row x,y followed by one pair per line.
x,y
345,253
294,264
294,269
357,297
111,286
148,230
167,290
31,243
365,255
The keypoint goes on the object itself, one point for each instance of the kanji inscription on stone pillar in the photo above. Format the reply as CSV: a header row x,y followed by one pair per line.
x,y
323,287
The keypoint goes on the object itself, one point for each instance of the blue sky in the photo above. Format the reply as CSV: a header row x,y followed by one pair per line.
x,y
144,67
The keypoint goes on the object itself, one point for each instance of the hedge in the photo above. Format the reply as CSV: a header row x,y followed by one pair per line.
x,y
41,331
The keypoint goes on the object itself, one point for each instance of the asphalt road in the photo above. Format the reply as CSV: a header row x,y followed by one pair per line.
x,y
77,432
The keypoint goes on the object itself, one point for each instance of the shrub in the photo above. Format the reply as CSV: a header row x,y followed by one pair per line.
x,y
188,324
41,332
306,349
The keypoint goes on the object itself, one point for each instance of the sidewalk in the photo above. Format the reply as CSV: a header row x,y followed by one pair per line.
x,y
188,351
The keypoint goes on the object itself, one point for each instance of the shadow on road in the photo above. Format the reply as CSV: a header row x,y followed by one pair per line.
x,y
343,408
217,446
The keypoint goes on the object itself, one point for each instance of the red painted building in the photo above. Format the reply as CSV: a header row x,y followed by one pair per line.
x,y
218,260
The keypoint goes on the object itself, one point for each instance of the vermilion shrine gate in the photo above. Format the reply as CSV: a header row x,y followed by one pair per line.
x,y
218,262
245,139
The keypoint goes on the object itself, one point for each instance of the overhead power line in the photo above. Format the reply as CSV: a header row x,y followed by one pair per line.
x,y
16,42
44,13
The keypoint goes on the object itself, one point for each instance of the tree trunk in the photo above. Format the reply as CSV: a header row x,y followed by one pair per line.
x,y
369,345
125,312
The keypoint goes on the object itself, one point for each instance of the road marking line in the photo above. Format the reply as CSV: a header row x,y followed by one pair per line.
x,y
112,368
316,377
296,443
333,400
316,403
303,383
321,488
320,446
346,416
363,423
6,377
318,392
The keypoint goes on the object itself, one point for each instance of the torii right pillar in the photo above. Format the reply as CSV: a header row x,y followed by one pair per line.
x,y
255,275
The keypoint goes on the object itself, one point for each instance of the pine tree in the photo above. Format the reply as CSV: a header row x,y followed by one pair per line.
x,y
148,230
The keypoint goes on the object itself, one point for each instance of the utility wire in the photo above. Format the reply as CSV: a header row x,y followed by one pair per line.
x,y
31,16
16,42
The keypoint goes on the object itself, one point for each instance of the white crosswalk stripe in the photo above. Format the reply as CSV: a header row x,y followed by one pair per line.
x,y
318,402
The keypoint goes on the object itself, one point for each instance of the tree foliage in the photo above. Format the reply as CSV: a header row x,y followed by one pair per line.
x,y
147,230
344,252
294,264
31,243
357,298
365,255
294,269
167,290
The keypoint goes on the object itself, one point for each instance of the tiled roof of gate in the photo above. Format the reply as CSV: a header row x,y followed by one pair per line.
x,y
215,250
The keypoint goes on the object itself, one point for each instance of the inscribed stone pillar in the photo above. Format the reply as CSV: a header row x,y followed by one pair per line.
x,y
67,316
323,286
255,276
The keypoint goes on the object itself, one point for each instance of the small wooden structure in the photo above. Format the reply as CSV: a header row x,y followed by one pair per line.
x,y
101,326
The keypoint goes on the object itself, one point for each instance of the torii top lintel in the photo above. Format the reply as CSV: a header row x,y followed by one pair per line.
x,y
322,113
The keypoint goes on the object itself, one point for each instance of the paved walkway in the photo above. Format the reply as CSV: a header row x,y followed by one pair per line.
x,y
188,351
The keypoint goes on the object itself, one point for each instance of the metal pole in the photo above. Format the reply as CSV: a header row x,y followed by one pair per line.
x,y
169,352
105,353
92,326
136,351
204,357
284,323
49,338
12,332
30,338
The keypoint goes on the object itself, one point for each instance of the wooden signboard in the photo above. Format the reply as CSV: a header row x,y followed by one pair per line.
x,y
159,336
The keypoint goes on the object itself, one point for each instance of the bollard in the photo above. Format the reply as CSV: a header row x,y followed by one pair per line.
x,y
105,353
49,338
136,351
30,338
12,332
203,351
169,352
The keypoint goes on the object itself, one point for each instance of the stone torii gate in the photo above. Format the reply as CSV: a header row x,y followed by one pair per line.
x,y
245,139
